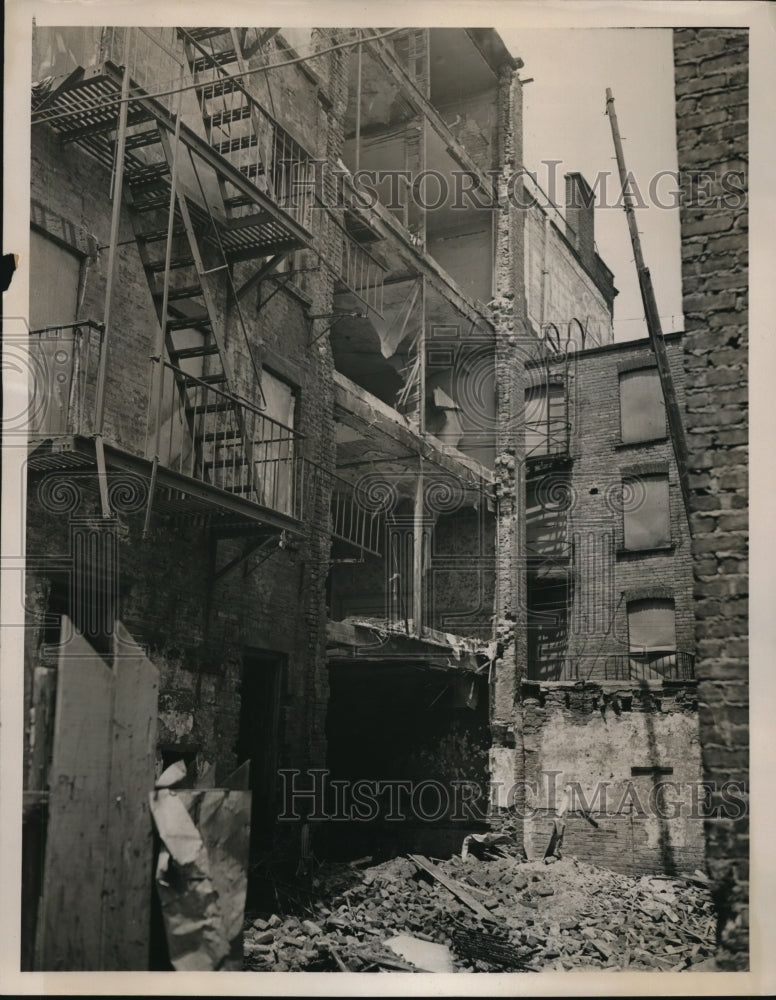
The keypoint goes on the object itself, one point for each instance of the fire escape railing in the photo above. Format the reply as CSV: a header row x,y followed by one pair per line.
x,y
547,437
360,272
352,519
203,430
64,363
669,665
241,130
215,438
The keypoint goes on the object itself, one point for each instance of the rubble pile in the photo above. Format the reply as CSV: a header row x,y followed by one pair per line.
x,y
501,914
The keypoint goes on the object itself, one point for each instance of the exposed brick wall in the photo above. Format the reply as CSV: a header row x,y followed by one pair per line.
x,y
711,67
593,736
576,730
510,321
566,292
605,576
460,578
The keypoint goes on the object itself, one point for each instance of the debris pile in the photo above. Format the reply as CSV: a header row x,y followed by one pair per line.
x,y
496,914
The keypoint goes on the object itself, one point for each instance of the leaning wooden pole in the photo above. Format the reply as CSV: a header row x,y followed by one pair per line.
x,y
675,425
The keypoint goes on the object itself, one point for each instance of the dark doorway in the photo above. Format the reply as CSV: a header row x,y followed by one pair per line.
x,y
258,739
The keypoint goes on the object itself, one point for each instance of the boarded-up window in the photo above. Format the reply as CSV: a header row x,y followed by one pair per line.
x,y
545,420
651,625
642,412
646,513
54,274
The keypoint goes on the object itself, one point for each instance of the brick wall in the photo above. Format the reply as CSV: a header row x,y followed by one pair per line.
x,y
596,732
607,577
460,578
510,323
567,291
594,736
711,67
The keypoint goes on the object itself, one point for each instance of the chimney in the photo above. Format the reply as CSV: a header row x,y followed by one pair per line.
x,y
580,204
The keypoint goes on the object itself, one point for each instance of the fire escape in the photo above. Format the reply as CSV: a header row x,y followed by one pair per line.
x,y
237,187
549,556
210,180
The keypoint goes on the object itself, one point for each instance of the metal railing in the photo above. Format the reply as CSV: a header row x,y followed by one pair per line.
x,y
671,665
215,438
253,141
359,271
546,437
667,665
235,124
64,364
204,433
154,57
352,520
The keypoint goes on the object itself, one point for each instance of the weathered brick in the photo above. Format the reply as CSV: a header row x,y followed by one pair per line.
x,y
714,254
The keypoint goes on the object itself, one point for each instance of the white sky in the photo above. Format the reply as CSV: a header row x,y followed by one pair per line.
x,y
565,120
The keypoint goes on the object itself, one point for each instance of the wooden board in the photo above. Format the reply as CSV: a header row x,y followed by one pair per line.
x,y
95,911
75,843
127,879
44,682
452,886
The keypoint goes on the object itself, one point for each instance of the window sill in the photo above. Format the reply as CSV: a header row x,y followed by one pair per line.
x,y
621,445
655,550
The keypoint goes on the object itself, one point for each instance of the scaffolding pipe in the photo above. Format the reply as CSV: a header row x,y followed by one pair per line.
x,y
117,191
358,104
161,335
675,426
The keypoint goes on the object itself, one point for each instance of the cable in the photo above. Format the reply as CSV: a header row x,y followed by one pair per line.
x,y
230,76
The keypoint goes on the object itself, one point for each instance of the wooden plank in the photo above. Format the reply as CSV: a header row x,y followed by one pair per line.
x,y
452,886
42,709
128,879
75,844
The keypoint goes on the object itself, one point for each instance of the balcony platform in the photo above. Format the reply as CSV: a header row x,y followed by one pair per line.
x,y
175,496
373,641
84,110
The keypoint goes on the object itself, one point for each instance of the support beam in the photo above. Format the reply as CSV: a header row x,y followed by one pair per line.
x,y
258,276
417,554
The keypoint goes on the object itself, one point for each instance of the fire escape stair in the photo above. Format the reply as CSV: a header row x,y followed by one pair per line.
x,y
207,234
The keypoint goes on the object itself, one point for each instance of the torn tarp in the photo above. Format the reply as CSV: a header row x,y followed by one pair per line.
x,y
201,875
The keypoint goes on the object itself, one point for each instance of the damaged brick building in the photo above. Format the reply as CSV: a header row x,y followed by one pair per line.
x,y
335,426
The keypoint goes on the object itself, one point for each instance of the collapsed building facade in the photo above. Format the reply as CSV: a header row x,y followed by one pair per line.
x,y
336,429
